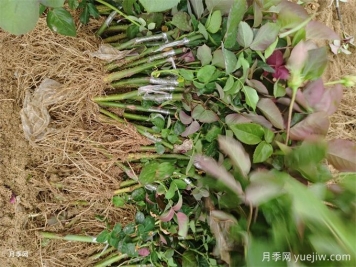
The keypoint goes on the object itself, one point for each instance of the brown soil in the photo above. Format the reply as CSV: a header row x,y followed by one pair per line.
x,y
55,188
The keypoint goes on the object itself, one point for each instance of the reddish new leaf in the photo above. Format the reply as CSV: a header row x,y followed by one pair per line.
x,y
179,204
286,101
330,100
167,216
265,36
143,252
210,166
235,118
260,87
183,224
314,91
271,112
316,124
258,119
318,30
342,155
192,128
184,118
236,153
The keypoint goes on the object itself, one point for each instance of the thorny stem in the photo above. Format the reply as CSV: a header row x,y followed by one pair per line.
x,y
114,38
290,111
136,108
129,72
108,262
78,238
118,11
127,189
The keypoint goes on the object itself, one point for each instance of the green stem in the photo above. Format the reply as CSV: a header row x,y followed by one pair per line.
x,y
102,253
135,117
129,72
78,238
106,23
136,108
108,262
290,112
333,82
118,11
117,118
127,189
127,183
157,56
147,148
116,97
115,38
136,156
117,28
132,82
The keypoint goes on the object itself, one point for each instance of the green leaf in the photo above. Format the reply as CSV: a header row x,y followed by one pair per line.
x,y
203,31
213,133
262,152
269,51
204,54
188,75
315,64
205,73
251,96
19,17
139,217
269,135
213,23
138,194
84,15
181,21
118,201
201,114
103,236
93,11
218,59
52,3
171,191
248,133
128,6
158,5
73,4
244,34
236,14
265,36
117,229
155,171
189,259
129,229
61,21
230,61
278,90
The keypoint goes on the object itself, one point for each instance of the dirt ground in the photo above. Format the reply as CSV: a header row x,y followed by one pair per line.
x,y
50,190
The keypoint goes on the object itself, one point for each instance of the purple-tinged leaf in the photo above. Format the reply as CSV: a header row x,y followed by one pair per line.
x,y
291,14
342,155
276,59
286,101
237,153
260,87
271,112
265,36
259,120
299,98
298,58
317,30
257,14
183,224
331,100
167,216
179,204
210,166
263,189
184,118
144,252
316,124
203,115
236,118
192,128
314,91
163,239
